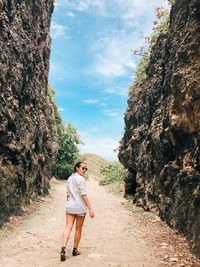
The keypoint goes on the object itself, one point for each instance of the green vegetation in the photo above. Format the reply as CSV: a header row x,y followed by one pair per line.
x,y
59,126
141,70
112,173
67,140
68,153
3,232
172,2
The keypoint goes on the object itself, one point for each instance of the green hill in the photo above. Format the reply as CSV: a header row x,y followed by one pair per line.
x,y
94,163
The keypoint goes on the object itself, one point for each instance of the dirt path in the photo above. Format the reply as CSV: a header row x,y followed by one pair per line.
x,y
112,238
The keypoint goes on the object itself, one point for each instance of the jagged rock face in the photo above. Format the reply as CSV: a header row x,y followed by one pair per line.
x,y
160,146
27,147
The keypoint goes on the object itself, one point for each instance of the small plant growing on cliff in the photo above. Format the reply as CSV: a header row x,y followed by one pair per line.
x,y
160,25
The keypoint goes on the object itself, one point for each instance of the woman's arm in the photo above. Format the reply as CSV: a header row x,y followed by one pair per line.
x,y
87,202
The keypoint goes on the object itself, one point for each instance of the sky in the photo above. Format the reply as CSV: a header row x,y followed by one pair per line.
x,y
92,67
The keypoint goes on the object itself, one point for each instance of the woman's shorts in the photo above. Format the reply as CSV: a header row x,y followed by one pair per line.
x,y
81,214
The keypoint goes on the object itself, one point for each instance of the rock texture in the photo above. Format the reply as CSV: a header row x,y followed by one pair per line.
x,y
161,142
27,147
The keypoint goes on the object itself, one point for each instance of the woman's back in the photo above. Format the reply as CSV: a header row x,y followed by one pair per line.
x,y
76,188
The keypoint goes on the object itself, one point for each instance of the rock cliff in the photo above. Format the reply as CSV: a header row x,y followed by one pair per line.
x,y
27,147
160,147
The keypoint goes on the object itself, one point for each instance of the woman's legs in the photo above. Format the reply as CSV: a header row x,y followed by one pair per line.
x,y
70,218
78,230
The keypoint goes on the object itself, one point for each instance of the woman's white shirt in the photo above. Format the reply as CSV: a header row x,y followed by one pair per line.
x,y
76,188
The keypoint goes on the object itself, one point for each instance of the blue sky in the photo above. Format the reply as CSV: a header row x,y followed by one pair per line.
x,y
92,66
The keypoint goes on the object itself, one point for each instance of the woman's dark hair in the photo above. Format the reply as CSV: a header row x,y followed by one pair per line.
x,y
78,164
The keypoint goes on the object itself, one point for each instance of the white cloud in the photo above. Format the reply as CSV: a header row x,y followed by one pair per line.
x,y
107,68
61,109
128,11
101,146
103,104
86,5
93,130
58,30
131,64
91,101
71,14
112,53
112,50
133,9
95,101
112,112
117,91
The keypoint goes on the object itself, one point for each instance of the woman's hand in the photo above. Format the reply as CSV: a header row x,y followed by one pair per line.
x,y
91,213
89,206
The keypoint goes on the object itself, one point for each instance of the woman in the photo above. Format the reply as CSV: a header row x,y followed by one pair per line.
x,y
77,205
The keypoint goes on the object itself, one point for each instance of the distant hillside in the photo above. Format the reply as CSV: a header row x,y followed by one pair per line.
x,y
94,163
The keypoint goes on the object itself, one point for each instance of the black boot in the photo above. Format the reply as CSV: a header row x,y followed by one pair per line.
x,y
62,254
75,252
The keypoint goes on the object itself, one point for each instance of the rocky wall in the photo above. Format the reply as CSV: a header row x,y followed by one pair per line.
x,y
161,144
27,142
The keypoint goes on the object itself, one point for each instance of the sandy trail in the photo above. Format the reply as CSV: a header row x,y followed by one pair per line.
x,y
112,238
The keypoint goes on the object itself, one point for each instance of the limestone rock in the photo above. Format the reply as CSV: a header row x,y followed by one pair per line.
x,y
27,145
160,147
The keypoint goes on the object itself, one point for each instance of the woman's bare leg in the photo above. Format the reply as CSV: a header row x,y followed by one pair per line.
x,y
78,230
70,218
